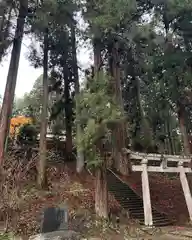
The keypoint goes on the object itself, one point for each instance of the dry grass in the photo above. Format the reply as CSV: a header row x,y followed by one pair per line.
x,y
22,203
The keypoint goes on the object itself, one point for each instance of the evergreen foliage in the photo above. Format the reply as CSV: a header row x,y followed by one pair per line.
x,y
98,115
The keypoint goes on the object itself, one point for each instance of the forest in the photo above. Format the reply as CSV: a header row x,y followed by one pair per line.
x,y
135,94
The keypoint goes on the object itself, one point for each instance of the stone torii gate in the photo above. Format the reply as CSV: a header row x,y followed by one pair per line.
x,y
143,163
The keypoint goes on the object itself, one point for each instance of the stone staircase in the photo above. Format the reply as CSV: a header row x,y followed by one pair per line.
x,y
131,202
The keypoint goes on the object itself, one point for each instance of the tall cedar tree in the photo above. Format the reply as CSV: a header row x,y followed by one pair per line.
x,y
12,77
80,155
44,117
101,192
119,133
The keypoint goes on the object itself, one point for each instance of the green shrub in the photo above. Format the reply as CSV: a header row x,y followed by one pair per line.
x,y
27,134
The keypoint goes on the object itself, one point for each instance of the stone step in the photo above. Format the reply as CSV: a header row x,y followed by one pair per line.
x,y
141,215
161,223
132,202
130,205
127,196
141,209
114,187
127,200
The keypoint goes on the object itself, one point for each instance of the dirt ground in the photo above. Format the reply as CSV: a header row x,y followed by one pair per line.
x,y
66,188
76,192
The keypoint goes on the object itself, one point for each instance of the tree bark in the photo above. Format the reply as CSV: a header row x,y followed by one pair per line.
x,y
145,126
79,131
69,143
190,143
183,130
42,183
119,134
12,77
101,193
170,140
68,111
97,58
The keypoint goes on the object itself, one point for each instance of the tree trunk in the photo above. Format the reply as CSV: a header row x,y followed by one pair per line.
x,y
190,143
97,58
42,183
145,126
101,193
12,77
170,140
183,130
69,143
119,134
79,131
68,112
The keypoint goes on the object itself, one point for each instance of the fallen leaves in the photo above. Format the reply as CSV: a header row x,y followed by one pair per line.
x,y
65,186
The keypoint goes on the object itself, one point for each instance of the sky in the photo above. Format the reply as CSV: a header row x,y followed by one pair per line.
x,y
28,74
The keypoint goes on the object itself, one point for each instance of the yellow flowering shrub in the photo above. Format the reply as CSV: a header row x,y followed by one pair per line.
x,y
16,123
